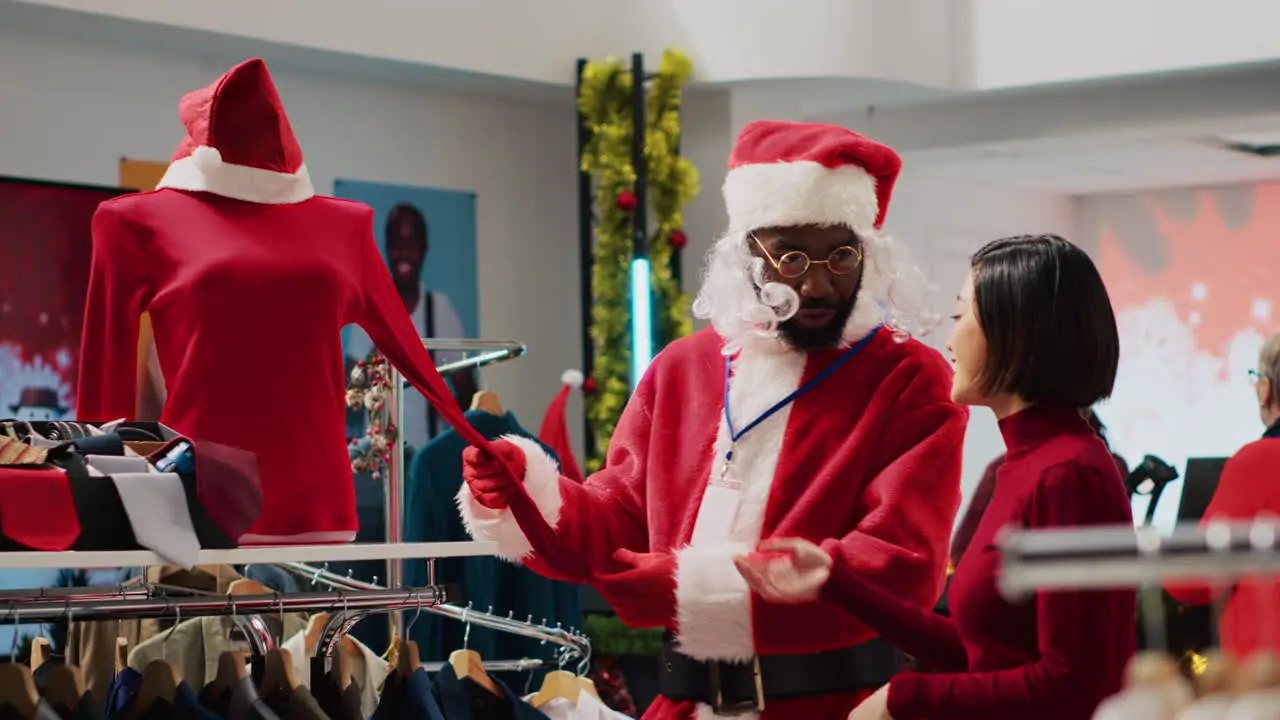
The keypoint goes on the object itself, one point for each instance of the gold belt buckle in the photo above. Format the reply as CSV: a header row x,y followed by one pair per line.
x,y
740,707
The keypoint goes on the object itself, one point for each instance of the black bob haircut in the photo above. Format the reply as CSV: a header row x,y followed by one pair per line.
x,y
1051,333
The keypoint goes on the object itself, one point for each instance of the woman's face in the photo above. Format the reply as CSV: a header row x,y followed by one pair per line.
x,y
968,349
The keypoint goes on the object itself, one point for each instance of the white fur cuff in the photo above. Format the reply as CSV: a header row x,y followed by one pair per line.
x,y
799,193
541,480
713,603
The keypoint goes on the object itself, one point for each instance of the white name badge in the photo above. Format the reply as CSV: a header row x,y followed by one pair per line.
x,y
716,514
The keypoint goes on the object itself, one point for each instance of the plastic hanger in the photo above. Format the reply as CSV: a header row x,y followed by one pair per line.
x,y
487,401
468,663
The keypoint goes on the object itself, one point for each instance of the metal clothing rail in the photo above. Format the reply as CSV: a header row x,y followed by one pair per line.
x,y
576,646
93,606
488,352
1127,557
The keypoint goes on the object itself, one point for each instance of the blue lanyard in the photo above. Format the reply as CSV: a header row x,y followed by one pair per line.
x,y
735,435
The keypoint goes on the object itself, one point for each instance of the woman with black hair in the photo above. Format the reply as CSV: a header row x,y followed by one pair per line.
x,y
1035,341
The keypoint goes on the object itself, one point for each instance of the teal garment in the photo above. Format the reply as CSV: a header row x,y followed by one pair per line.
x,y
431,515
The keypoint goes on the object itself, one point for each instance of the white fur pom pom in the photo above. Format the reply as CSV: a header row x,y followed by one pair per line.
x,y
572,378
208,159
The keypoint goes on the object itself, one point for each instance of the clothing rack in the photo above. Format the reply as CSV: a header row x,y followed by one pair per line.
x,y
488,352
575,647
1125,557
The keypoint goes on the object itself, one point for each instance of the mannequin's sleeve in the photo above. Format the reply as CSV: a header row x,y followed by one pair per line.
x,y
592,519
383,316
387,322
118,295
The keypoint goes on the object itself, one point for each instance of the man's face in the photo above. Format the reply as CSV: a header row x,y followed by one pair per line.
x,y
827,297
405,255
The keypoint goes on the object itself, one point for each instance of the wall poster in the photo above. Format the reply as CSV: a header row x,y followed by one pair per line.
x,y
1194,276
428,238
45,249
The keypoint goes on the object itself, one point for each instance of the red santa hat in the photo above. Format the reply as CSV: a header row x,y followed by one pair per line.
x,y
791,173
239,143
554,433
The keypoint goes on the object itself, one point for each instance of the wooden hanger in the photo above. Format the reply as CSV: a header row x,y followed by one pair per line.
x,y
63,684
18,689
231,670
245,586
468,664
588,686
277,674
409,660
160,680
122,653
487,401
558,684
39,652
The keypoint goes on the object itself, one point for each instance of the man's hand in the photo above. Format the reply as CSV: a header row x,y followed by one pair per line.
x,y
643,591
875,707
488,481
787,571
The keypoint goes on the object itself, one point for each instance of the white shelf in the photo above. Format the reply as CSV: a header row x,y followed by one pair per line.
x,y
255,555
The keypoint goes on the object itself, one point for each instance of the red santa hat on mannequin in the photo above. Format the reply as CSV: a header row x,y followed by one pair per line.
x,y
554,433
239,143
791,173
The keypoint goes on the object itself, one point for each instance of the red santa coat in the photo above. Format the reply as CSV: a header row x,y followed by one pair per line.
x,y
870,456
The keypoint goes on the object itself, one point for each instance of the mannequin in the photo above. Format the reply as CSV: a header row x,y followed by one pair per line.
x,y
247,277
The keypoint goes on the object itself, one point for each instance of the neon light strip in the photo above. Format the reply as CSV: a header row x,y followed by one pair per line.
x,y
641,320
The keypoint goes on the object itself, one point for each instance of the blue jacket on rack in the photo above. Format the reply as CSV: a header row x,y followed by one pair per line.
x,y
432,516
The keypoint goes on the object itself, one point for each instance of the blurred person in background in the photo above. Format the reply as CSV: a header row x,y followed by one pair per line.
x,y
1249,488
1035,340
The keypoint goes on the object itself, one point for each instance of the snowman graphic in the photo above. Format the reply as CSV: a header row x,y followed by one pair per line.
x,y
36,404
35,390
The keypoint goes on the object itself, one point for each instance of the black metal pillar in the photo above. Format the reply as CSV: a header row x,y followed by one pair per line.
x,y
586,256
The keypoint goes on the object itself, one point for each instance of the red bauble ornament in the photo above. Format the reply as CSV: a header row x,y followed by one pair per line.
x,y
589,386
679,239
627,201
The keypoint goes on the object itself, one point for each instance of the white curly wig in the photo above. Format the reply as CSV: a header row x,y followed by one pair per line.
x,y
741,306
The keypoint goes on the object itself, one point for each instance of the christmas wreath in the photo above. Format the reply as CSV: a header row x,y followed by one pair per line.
x,y
672,181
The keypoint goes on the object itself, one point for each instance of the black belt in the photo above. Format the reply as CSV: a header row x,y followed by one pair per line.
x,y
732,688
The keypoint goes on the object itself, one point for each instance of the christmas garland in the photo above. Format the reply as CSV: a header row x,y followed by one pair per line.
x,y
605,103
368,388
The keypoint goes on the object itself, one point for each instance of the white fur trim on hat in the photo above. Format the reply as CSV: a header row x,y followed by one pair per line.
x,y
572,378
799,193
204,171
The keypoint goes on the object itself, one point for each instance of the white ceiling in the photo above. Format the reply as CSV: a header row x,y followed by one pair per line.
x,y
1085,165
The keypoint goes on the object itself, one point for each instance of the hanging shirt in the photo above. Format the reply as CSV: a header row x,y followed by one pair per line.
x,y
431,516
462,699
584,708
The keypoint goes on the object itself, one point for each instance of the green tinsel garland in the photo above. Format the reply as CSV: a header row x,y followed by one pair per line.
x,y
605,103
610,637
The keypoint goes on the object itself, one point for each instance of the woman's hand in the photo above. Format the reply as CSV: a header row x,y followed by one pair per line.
x,y
875,707
786,570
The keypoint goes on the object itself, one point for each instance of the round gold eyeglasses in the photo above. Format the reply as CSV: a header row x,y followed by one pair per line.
x,y
794,263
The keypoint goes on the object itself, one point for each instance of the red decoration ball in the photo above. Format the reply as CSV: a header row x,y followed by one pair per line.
x,y
589,386
679,239
377,475
627,201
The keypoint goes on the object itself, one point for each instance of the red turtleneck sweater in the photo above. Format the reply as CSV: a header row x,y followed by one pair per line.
x,y
1053,657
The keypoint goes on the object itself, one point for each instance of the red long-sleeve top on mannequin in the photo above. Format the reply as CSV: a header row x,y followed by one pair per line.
x,y
247,302
1053,657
